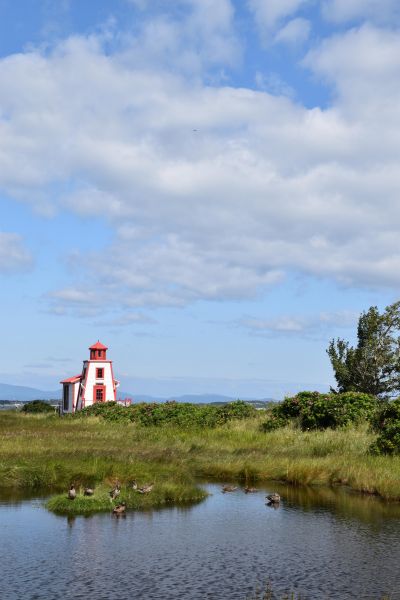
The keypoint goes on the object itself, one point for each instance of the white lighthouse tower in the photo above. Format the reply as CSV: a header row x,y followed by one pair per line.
x,y
96,383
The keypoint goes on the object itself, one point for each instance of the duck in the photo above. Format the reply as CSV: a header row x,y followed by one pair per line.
x,y
114,493
250,490
119,509
273,498
228,488
88,492
72,492
145,489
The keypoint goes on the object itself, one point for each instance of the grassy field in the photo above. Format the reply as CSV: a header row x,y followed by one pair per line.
x,y
39,452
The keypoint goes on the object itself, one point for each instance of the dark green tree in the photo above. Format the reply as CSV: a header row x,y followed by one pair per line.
x,y
373,366
37,406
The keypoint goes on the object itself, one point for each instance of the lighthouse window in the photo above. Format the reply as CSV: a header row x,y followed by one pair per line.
x,y
99,394
100,373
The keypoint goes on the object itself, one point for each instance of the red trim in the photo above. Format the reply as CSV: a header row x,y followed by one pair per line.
x,y
74,379
98,346
99,387
96,360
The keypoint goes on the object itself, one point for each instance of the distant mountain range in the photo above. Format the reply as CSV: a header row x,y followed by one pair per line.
x,y
25,394
195,399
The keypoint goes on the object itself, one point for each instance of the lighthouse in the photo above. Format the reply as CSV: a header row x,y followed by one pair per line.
x,y
95,384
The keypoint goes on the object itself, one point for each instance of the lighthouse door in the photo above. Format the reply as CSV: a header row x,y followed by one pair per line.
x,y
99,393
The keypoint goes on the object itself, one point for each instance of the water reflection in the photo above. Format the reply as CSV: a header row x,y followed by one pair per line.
x,y
340,501
324,543
14,496
273,505
71,521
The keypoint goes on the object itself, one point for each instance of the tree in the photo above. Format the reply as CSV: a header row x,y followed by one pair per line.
x,y
373,366
37,406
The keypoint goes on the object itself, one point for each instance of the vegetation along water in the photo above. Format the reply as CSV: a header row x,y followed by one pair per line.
x,y
173,445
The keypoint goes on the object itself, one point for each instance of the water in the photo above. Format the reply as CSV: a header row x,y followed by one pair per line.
x,y
323,543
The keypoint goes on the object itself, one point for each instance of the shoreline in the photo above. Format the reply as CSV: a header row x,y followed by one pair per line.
x,y
48,453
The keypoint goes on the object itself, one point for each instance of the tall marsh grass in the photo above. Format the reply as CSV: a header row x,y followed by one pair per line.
x,y
45,451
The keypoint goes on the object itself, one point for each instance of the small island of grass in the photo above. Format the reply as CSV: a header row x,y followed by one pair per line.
x,y
162,495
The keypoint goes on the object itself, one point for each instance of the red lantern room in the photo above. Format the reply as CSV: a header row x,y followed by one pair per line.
x,y
98,351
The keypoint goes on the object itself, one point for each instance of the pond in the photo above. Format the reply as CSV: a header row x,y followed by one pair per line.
x,y
322,543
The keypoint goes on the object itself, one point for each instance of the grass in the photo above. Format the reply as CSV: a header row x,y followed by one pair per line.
x,y
163,495
46,452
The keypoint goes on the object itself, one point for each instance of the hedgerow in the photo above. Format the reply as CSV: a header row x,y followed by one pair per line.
x,y
170,413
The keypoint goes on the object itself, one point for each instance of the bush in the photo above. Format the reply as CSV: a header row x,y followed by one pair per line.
x,y
312,410
170,413
273,422
37,406
387,424
234,410
110,411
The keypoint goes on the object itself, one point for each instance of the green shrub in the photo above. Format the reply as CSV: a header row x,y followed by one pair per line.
x,y
235,410
312,410
167,413
110,411
387,425
273,422
182,415
37,406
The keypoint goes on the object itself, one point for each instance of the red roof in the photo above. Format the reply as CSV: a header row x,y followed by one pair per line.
x,y
98,346
74,379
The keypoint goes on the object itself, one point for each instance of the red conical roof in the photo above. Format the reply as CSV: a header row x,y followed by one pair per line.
x,y
98,346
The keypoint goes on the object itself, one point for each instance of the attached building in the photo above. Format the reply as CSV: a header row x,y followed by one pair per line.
x,y
96,383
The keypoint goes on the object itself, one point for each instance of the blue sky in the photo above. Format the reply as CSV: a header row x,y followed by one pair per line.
x,y
210,187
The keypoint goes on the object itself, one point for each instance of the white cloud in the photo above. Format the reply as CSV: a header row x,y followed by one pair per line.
x,y
13,255
363,67
365,59
212,192
295,325
274,84
203,37
125,319
380,11
75,296
295,31
73,300
269,13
